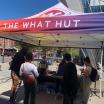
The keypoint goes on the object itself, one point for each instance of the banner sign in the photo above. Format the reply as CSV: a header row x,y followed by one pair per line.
x,y
88,23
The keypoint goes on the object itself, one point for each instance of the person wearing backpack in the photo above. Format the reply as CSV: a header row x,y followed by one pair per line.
x,y
86,81
29,74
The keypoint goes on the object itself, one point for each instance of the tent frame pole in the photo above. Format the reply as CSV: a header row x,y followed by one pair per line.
x,y
101,69
83,52
38,52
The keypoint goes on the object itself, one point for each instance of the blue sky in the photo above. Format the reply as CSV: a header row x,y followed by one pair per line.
x,y
14,9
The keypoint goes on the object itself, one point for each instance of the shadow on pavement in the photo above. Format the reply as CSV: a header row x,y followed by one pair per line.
x,y
42,97
3,101
20,94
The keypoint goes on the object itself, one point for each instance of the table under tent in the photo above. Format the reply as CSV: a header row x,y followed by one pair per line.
x,y
58,26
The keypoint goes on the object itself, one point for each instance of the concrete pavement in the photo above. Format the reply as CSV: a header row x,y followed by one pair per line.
x,y
42,98
5,93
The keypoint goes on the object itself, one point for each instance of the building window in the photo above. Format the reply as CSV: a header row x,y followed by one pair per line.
x,y
95,6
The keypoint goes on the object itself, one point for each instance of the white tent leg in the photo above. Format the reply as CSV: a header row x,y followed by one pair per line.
x,y
38,53
101,74
83,52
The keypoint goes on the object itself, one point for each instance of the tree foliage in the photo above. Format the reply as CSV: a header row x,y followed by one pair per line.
x,y
44,50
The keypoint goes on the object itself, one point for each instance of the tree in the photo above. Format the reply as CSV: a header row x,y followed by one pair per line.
x,y
22,44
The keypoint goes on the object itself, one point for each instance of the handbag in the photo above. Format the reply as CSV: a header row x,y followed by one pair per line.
x,y
27,78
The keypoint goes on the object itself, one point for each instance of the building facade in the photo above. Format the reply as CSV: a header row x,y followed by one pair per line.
x,y
86,6
7,43
97,5
7,47
72,4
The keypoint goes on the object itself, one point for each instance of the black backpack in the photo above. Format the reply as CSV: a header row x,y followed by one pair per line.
x,y
94,76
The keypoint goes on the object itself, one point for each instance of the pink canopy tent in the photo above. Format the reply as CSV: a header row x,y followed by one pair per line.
x,y
57,26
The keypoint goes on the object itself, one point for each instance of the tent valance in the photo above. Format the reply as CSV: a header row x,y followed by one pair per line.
x,y
79,24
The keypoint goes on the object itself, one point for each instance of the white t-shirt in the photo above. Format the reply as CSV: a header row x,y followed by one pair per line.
x,y
29,68
79,68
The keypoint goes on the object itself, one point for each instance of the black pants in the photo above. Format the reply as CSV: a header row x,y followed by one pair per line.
x,y
68,99
59,87
30,94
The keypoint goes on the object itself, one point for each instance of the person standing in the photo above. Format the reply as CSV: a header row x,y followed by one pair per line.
x,y
29,70
43,66
70,81
18,59
86,81
43,70
60,73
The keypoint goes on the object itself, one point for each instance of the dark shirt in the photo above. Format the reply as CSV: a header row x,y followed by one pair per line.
x,y
70,81
43,65
60,71
18,59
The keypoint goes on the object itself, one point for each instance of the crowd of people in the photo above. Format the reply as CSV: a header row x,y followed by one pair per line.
x,y
75,88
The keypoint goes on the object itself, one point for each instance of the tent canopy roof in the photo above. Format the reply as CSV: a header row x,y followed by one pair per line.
x,y
61,39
